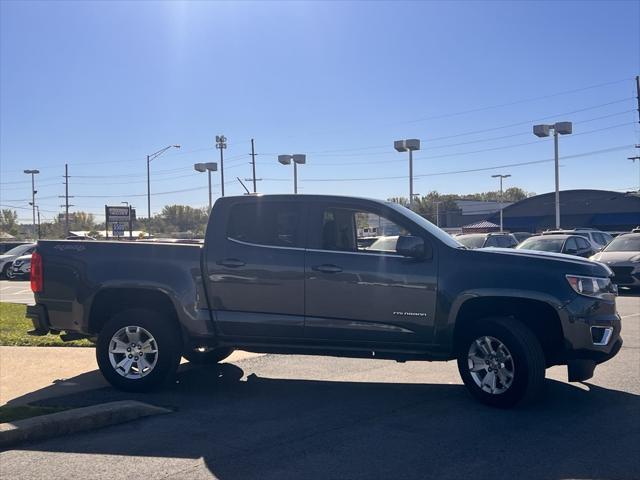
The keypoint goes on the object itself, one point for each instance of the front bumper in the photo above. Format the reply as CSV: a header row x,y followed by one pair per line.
x,y
591,330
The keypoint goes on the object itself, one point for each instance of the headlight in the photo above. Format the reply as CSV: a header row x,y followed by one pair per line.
x,y
597,287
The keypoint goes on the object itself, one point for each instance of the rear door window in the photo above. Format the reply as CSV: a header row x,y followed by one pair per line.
x,y
571,245
582,244
266,223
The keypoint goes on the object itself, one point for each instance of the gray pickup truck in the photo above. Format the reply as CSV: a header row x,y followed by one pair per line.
x,y
287,274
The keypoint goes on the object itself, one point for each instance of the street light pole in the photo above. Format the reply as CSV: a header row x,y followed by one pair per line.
x,y
207,167
559,128
408,145
150,158
501,177
33,173
296,159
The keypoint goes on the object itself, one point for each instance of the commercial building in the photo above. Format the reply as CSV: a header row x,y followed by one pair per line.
x,y
602,209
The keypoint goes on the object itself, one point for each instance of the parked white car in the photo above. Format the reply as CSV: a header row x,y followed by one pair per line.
x,y
7,259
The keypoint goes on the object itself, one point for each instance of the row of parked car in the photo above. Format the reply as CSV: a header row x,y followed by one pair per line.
x,y
621,253
15,260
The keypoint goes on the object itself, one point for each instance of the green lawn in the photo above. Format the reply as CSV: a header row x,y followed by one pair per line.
x,y
14,327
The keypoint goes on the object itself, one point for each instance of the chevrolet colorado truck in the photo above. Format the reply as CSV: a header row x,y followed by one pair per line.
x,y
287,274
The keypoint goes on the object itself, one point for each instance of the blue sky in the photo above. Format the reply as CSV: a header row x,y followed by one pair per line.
x,y
100,85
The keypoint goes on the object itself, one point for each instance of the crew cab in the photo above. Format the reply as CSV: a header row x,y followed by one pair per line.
x,y
286,274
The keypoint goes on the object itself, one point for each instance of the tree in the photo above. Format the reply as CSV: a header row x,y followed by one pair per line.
x,y
181,218
9,221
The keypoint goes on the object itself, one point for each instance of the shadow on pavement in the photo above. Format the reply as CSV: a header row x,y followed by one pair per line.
x,y
277,428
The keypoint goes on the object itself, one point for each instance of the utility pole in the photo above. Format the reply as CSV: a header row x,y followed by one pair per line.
x,y
638,95
253,165
633,159
66,200
221,144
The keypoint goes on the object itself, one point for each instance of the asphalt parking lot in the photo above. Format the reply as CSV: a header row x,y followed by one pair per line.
x,y
277,416
16,292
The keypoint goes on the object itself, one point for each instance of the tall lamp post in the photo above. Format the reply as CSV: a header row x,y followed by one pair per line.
x,y
559,128
221,144
33,173
151,157
296,159
501,177
403,146
207,167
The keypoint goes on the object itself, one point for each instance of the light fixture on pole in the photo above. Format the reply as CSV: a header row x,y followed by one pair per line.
x,y
403,146
151,157
559,128
221,144
501,177
296,159
33,173
207,167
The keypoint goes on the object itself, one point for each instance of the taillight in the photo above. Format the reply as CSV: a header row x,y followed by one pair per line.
x,y
36,272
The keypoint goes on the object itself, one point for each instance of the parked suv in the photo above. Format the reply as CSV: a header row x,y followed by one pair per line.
x,y
569,244
598,239
482,240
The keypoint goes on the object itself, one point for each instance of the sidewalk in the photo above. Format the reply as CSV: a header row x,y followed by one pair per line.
x,y
35,373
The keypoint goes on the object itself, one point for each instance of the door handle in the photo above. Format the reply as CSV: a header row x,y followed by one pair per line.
x,y
231,262
327,268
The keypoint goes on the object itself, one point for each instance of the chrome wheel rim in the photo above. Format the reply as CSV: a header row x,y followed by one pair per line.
x,y
133,352
491,365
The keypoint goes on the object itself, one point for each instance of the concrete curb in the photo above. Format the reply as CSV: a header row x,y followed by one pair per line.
x,y
74,420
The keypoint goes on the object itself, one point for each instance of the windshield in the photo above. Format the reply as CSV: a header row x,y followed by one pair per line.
x,y
542,244
625,243
471,241
19,250
426,224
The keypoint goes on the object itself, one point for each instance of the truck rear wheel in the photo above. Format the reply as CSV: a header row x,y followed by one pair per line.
x,y
207,356
501,362
137,350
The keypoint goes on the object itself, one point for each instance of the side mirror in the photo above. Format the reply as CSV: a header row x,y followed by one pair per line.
x,y
414,247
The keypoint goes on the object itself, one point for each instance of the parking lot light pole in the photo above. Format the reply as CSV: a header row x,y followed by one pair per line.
x,y
559,128
33,173
296,159
501,177
403,146
207,167
151,157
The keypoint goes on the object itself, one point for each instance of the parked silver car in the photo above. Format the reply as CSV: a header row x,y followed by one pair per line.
x,y
7,259
622,256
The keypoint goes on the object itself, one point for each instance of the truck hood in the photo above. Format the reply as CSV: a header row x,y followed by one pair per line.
x,y
593,268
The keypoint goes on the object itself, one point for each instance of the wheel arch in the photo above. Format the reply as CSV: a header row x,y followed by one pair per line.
x,y
109,301
539,315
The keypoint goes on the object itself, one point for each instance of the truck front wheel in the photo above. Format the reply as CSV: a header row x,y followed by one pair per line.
x,y
501,362
137,350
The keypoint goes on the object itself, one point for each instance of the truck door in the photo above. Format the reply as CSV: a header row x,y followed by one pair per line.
x,y
255,268
363,293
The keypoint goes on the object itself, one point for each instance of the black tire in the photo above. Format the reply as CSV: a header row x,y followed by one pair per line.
x,y
166,335
207,356
528,362
5,269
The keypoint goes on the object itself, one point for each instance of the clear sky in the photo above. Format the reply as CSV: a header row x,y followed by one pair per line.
x,y
101,84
